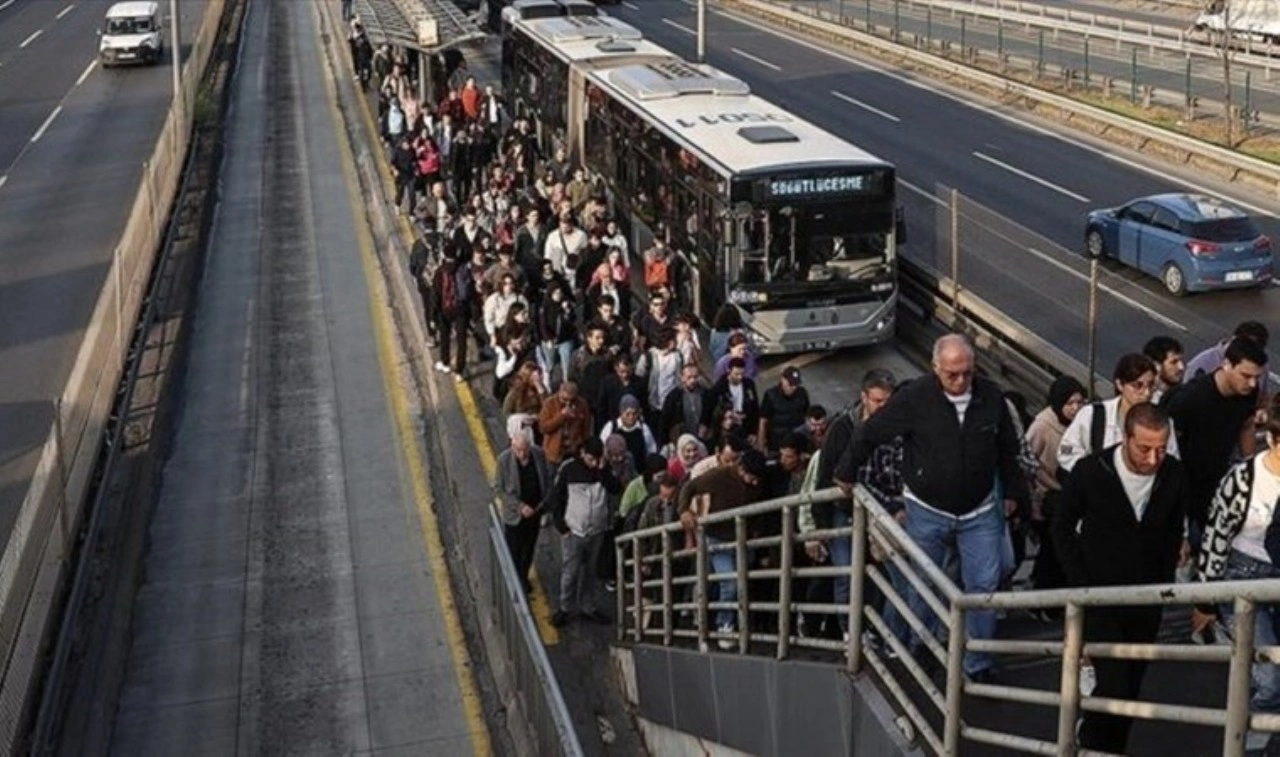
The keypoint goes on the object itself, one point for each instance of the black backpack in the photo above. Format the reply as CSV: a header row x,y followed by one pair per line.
x,y
1097,428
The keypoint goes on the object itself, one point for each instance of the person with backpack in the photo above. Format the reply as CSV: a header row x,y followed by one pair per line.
x,y
451,284
405,165
1100,425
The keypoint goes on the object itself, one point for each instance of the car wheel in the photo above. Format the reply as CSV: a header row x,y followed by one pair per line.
x,y
1094,245
1173,280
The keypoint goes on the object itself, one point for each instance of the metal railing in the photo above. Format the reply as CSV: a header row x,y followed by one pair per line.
x,y
537,690
665,595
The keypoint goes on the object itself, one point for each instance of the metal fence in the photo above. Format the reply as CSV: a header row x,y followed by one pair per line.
x,y
661,582
537,690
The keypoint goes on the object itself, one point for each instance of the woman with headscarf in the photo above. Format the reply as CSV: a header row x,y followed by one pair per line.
x,y
1066,397
688,452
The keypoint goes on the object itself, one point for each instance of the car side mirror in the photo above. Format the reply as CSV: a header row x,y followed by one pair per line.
x,y
900,227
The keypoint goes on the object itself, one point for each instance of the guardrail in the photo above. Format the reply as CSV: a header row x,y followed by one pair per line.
x,y
1229,164
537,691
35,560
1065,20
659,579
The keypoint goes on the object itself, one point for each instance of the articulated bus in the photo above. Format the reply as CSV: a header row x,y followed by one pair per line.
x,y
789,224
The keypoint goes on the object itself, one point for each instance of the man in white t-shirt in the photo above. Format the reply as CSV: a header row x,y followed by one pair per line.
x,y
1120,521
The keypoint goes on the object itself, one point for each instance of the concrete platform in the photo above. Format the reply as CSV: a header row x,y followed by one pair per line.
x,y
296,598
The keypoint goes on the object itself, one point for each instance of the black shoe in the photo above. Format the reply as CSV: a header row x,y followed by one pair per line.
x,y
559,618
595,616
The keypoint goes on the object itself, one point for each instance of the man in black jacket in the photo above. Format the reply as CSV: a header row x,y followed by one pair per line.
x,y
684,407
960,474
1119,521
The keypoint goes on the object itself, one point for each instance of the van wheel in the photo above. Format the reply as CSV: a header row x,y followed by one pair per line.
x,y
1173,280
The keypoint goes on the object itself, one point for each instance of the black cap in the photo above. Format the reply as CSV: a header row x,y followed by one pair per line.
x,y
792,375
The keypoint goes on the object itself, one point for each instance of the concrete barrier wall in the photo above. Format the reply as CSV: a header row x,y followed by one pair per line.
x,y
35,560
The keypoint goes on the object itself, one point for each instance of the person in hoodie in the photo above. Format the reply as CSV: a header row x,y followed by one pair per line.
x,y
631,427
1119,522
580,509
1066,397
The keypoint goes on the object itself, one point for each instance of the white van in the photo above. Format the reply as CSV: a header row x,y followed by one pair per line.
x,y
132,34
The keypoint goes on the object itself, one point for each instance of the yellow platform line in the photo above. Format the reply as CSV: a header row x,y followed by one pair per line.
x,y
406,437
539,602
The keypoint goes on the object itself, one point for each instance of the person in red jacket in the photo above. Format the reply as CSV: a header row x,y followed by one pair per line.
x,y
470,97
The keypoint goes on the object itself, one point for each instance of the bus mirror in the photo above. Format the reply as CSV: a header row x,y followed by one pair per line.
x,y
900,227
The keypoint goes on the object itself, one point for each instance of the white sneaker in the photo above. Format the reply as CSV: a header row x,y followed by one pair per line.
x,y
441,367
723,643
446,369
1088,680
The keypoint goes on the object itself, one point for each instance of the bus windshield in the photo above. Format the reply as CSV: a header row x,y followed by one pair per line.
x,y
814,243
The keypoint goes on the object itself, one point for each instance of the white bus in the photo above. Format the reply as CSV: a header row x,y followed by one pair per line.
x,y
791,225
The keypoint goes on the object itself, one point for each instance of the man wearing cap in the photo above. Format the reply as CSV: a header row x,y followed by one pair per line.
x,y
724,488
782,409
580,506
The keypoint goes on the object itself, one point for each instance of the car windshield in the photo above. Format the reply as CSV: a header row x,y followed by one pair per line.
x,y
1239,229
128,25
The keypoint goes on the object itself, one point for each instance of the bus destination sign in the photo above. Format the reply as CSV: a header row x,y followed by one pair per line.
x,y
819,187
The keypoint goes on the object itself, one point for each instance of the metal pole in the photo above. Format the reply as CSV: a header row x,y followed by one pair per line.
x,y
955,254
740,562
1086,62
621,589
999,39
955,682
702,588
1072,647
1093,324
424,75
785,564
867,14
637,589
895,20
1238,679
964,54
1248,101
857,579
1133,77
928,26
1040,55
667,589
702,31
175,54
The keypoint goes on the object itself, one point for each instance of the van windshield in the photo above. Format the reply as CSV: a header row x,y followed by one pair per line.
x,y
129,26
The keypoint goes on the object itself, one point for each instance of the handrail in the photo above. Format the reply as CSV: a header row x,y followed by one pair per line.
x,y
642,597
1236,166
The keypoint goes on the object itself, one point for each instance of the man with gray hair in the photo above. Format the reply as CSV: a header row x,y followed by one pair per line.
x,y
960,474
524,478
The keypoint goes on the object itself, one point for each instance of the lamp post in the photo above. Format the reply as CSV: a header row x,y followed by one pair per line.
x,y
175,52
702,31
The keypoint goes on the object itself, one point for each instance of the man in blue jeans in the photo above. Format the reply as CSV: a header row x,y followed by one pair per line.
x,y
960,448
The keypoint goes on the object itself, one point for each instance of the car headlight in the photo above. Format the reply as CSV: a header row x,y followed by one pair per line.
x,y
148,42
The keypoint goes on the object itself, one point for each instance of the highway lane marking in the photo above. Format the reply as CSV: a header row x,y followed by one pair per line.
x,y
405,429
31,39
65,11
864,106
1126,299
1007,117
4,180
44,126
681,27
931,197
1030,176
632,6
87,70
6,4
755,59
539,601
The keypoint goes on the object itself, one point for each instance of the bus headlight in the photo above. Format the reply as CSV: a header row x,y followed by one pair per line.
x,y
741,297
883,286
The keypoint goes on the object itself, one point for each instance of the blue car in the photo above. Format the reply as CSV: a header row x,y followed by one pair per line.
x,y
1191,242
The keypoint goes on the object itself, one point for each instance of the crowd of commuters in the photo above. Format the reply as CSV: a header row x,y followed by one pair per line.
x,y
613,426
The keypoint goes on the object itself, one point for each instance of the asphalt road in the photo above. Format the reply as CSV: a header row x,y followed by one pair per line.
x,y
1014,166
1166,71
72,142
293,600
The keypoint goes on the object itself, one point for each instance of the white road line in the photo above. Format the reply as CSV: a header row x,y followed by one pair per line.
x,y
6,4
991,111
922,192
40,132
4,180
681,27
755,59
31,39
1126,299
864,106
632,6
65,11
1030,176
87,70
